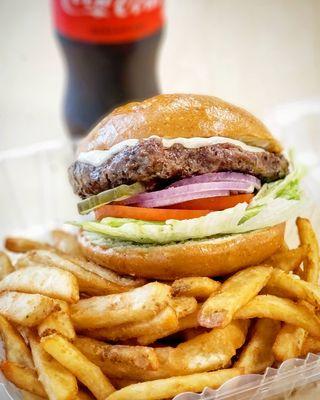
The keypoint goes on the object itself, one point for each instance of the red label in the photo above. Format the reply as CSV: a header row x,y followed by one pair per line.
x,y
108,21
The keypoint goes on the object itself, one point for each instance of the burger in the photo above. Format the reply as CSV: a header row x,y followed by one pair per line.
x,y
182,185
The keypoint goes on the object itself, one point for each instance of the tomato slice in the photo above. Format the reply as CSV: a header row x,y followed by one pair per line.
x,y
214,203
187,210
146,214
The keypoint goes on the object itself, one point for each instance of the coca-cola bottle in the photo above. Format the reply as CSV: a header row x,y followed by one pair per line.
x,y
110,50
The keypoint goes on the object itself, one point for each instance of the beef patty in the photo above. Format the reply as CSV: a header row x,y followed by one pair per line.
x,y
156,166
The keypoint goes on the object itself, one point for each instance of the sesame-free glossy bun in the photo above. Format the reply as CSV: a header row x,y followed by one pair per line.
x,y
215,257
179,115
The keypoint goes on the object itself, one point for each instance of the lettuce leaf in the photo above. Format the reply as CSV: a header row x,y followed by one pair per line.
x,y
171,230
276,202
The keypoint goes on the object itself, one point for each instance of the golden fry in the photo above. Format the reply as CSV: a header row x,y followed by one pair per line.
x,y
48,281
73,360
288,260
183,305
57,322
268,306
209,351
25,309
92,279
119,383
66,242
23,245
312,262
117,360
289,342
6,266
24,378
288,285
170,387
234,293
310,345
151,335
165,321
199,287
256,355
107,311
57,381
30,396
120,283
83,396
15,347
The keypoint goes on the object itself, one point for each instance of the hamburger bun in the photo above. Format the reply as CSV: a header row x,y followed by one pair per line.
x,y
179,115
215,257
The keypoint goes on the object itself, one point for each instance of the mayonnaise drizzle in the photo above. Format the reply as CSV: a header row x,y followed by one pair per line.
x,y
98,157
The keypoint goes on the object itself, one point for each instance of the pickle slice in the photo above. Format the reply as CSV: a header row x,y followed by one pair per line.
x,y
116,194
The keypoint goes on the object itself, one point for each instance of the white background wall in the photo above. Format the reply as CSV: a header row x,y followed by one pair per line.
x,y
256,53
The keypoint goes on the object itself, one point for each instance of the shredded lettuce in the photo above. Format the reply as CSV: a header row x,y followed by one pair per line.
x,y
276,202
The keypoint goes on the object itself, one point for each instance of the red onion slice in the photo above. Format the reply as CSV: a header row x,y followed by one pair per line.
x,y
218,177
180,194
162,202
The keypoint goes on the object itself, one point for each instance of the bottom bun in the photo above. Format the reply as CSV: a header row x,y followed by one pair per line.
x,y
214,257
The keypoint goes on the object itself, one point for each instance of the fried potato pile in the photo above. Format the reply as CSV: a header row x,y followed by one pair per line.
x,y
74,330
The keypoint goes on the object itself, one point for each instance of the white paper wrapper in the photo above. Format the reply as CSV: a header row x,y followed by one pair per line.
x,y
35,196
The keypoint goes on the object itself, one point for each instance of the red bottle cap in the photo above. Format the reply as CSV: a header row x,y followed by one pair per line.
x,y
108,21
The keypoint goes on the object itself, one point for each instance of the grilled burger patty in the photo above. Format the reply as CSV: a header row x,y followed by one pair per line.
x,y
154,165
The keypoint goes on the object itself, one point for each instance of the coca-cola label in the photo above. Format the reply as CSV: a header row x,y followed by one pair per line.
x,y
107,21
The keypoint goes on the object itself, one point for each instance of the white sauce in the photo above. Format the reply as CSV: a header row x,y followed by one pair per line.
x,y
98,157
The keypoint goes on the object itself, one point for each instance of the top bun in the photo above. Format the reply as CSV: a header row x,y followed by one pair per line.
x,y
179,115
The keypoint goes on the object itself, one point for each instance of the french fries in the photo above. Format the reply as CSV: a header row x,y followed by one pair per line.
x,y
312,262
15,347
165,321
6,266
198,287
84,396
107,311
57,381
117,360
66,242
74,361
184,306
292,287
168,388
235,292
209,351
152,335
25,309
30,396
51,282
256,355
289,342
92,279
52,292
288,260
57,322
23,245
24,378
121,283
310,345
268,306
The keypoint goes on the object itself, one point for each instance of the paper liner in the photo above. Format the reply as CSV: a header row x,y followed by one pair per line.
x,y
36,196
